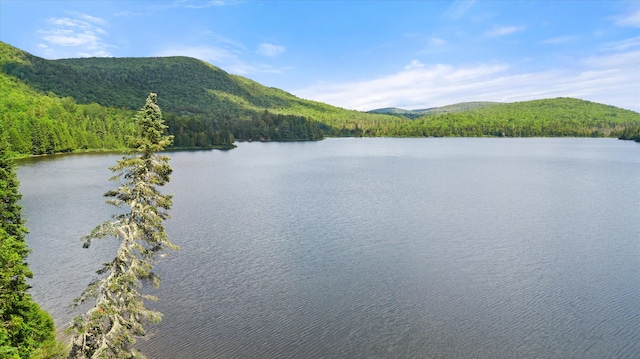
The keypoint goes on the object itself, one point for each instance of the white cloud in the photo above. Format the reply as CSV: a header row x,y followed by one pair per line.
x,y
631,19
629,61
612,79
81,32
69,38
270,50
417,85
499,31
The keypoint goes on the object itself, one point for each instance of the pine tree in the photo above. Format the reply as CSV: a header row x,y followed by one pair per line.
x,y
110,327
24,327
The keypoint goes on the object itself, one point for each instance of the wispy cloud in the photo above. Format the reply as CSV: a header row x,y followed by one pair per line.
x,y
229,59
611,79
558,40
122,13
217,55
227,53
632,18
415,64
622,45
437,41
81,32
91,19
199,4
458,9
226,42
270,50
499,31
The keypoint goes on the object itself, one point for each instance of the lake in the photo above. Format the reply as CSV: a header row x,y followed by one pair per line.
x,y
370,248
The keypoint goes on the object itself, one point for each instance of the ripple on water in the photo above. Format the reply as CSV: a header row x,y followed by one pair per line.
x,y
381,248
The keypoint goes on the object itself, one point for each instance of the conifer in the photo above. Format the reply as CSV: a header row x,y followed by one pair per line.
x,y
24,326
110,327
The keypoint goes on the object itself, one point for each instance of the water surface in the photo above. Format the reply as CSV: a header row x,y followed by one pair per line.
x,y
371,248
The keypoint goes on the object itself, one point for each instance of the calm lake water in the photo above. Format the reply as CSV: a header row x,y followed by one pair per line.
x,y
370,248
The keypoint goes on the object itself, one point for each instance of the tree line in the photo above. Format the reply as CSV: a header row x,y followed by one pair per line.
x,y
558,117
50,106
276,127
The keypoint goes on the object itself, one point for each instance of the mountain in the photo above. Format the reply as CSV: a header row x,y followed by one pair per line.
x,y
49,106
538,118
458,107
197,97
391,111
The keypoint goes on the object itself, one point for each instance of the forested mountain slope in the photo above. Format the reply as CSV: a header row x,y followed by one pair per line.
x,y
548,117
36,123
195,96
51,106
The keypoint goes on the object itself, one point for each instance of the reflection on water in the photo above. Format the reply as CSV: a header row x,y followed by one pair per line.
x,y
386,248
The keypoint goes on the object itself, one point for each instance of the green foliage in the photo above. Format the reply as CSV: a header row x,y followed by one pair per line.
x,y
271,127
631,132
37,124
206,107
192,132
51,349
540,118
24,327
110,327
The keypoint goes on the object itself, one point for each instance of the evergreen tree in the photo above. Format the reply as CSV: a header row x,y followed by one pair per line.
x,y
110,327
24,327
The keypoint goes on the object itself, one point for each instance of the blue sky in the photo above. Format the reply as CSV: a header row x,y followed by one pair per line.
x,y
363,54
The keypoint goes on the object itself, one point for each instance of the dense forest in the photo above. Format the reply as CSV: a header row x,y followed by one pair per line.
x,y
38,124
550,117
631,132
50,106
26,330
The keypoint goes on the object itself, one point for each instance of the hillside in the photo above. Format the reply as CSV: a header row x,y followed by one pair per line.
x,y
539,118
63,105
196,96
36,123
458,107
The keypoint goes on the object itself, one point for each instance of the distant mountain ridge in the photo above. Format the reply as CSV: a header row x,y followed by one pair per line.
x,y
458,107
